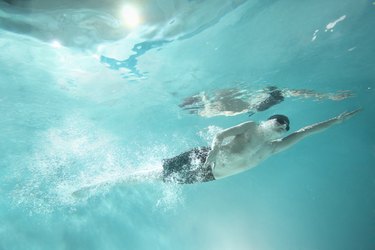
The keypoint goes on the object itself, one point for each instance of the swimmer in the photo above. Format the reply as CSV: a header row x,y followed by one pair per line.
x,y
233,150
240,148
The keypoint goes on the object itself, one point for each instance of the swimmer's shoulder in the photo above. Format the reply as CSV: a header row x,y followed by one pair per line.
x,y
238,129
248,124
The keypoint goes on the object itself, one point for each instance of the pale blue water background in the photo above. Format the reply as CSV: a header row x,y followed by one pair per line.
x,y
94,108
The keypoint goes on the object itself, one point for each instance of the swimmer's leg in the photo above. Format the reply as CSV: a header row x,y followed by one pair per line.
x,y
137,177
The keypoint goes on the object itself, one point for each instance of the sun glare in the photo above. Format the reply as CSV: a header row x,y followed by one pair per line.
x,y
56,44
131,16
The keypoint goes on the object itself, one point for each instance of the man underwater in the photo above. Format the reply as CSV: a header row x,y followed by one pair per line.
x,y
240,148
233,151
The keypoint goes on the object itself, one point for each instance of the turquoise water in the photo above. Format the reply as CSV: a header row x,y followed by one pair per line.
x,y
83,98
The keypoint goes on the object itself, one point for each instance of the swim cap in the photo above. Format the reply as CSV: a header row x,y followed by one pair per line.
x,y
281,119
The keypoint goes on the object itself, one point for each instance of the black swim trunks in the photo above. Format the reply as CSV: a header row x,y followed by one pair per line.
x,y
188,167
275,97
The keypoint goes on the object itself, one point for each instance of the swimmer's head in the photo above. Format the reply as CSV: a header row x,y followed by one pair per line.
x,y
281,120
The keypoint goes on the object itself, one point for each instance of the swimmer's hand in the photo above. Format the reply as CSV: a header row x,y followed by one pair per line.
x,y
346,115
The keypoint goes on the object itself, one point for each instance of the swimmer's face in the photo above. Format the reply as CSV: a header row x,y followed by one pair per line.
x,y
279,122
272,129
277,127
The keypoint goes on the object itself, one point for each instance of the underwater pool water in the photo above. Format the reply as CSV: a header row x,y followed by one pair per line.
x,y
94,90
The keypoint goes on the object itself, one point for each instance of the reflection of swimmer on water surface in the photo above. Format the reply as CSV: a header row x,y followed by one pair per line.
x,y
233,101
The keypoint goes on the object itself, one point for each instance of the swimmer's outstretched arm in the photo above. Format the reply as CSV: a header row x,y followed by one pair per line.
x,y
288,141
305,93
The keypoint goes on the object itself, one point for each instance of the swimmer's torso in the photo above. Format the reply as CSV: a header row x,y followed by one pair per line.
x,y
241,153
